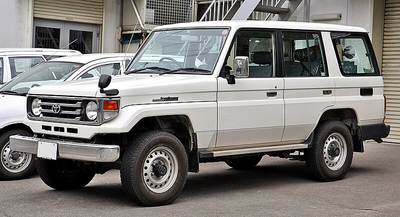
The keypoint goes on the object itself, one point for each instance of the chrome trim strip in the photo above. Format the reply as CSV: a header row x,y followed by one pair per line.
x,y
258,150
68,149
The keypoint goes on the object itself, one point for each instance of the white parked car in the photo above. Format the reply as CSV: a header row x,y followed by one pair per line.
x,y
15,165
14,61
212,91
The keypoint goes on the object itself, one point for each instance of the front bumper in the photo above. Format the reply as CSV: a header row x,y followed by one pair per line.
x,y
67,149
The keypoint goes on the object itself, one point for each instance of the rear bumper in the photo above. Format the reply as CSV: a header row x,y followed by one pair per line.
x,y
67,149
375,131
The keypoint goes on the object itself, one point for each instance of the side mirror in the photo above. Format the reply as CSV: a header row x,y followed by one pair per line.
x,y
241,67
104,81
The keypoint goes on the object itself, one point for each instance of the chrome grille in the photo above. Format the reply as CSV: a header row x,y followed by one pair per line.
x,y
61,109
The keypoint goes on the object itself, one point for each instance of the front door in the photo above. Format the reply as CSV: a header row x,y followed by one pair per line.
x,y
250,112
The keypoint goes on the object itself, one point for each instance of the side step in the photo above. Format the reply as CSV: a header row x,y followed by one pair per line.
x,y
213,154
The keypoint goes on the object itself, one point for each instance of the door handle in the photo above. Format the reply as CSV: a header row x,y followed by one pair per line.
x,y
271,94
327,92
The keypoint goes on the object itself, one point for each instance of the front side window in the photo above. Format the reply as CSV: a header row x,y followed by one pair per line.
x,y
303,54
258,46
187,51
21,64
354,54
108,69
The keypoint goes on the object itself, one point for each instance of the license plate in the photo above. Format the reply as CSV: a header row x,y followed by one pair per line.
x,y
47,150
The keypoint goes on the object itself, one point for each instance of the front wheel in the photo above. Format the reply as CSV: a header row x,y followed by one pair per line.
x,y
63,174
14,165
154,169
331,155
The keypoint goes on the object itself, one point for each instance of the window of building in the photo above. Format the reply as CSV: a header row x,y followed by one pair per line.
x,y
303,54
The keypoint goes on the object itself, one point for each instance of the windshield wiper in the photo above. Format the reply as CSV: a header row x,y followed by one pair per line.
x,y
9,92
151,67
185,69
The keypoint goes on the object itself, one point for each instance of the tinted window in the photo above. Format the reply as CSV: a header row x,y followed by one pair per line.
x,y
1,70
303,54
354,54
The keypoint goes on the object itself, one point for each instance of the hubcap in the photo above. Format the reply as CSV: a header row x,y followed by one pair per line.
x,y
160,169
14,162
335,151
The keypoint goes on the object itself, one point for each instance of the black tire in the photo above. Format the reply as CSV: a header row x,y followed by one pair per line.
x,y
14,165
331,155
243,163
154,169
63,174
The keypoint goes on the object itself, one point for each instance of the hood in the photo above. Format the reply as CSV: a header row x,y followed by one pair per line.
x,y
148,87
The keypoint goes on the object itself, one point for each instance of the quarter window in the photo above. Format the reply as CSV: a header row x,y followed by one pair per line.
x,y
354,55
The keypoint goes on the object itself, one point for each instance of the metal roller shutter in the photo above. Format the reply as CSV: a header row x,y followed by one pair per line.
x,y
84,11
391,67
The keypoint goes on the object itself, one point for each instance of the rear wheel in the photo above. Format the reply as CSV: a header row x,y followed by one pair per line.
x,y
332,153
14,165
154,169
242,163
63,174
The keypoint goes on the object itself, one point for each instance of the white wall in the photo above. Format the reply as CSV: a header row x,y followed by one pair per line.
x,y
111,22
16,23
353,12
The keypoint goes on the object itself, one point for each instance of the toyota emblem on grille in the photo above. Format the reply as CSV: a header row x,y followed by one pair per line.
x,y
56,108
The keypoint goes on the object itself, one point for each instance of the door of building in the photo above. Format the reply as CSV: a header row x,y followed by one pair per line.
x,y
68,35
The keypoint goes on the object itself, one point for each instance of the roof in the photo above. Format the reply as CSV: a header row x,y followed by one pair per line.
x,y
86,58
44,51
266,24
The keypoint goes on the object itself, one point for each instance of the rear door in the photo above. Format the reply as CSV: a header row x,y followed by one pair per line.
x,y
309,90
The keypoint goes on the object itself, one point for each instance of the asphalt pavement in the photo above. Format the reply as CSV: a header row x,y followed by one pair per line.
x,y
276,187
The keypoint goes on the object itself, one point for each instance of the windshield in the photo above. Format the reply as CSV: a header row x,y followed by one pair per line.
x,y
192,51
45,73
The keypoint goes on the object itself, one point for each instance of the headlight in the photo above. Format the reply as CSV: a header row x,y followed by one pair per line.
x,y
91,110
36,108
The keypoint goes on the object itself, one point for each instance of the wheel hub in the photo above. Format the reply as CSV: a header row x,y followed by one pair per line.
x,y
334,151
159,169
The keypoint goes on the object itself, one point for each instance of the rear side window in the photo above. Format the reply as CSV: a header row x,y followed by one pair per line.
x,y
303,54
21,64
1,70
354,54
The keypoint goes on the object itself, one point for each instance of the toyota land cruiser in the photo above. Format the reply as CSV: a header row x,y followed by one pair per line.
x,y
212,91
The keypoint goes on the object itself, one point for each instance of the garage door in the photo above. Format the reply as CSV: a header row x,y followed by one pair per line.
x,y
391,67
85,11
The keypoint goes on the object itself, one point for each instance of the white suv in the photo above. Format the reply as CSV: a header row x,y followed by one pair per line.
x,y
13,61
16,165
212,91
